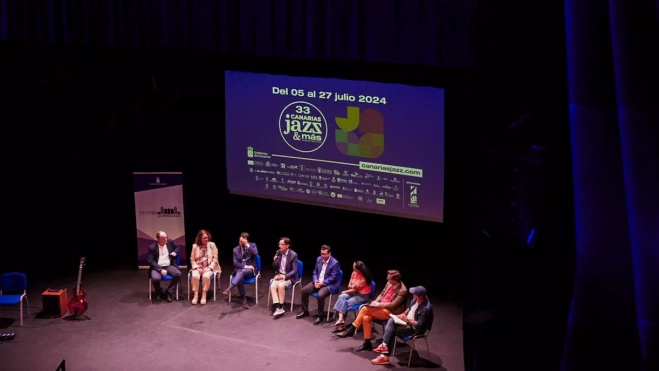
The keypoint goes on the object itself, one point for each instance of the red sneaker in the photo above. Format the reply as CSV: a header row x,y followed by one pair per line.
x,y
381,349
380,360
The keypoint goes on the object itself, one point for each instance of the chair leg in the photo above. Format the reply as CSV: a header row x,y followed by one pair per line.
x,y
188,286
256,287
409,359
329,304
215,285
149,288
213,277
21,312
427,346
267,303
292,297
229,290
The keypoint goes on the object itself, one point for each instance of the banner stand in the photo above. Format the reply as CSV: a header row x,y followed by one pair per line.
x,y
159,207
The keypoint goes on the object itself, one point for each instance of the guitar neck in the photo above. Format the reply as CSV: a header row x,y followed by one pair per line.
x,y
79,279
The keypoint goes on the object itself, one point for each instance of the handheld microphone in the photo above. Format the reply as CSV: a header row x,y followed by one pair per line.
x,y
279,253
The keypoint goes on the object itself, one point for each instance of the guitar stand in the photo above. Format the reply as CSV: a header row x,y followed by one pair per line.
x,y
76,317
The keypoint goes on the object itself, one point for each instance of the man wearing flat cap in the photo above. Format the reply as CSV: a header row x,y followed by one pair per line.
x,y
416,320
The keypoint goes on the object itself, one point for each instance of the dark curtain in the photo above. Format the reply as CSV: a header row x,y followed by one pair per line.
x,y
426,32
612,73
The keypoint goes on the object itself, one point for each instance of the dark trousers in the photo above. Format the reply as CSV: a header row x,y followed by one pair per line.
x,y
172,271
392,330
309,289
241,275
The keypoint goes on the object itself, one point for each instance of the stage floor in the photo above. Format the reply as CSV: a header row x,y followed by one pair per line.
x,y
128,332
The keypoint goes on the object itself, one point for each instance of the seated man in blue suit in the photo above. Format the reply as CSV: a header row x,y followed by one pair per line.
x,y
162,261
285,264
416,320
325,282
243,261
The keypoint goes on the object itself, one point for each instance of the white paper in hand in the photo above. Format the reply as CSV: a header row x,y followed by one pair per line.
x,y
397,320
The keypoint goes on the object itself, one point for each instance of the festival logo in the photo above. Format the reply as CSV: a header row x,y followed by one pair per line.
x,y
303,127
370,144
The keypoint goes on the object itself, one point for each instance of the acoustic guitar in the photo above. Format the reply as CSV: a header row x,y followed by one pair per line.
x,y
79,303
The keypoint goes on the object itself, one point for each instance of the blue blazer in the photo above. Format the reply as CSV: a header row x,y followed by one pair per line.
x,y
240,260
331,279
290,268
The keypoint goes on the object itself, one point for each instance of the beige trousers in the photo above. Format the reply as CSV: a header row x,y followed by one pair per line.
x,y
278,290
206,281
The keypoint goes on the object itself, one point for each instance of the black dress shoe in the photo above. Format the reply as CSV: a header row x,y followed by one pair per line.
x,y
168,297
339,328
318,320
302,315
349,331
367,346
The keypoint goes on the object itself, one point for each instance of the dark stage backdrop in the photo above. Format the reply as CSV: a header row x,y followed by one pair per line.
x,y
82,119
94,120
419,32
613,79
90,117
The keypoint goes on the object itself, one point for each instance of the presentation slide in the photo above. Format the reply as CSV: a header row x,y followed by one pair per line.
x,y
357,145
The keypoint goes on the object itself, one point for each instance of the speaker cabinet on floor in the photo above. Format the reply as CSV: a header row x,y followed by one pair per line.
x,y
54,302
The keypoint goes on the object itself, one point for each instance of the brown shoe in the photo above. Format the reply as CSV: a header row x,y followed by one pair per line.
x,y
349,331
245,305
